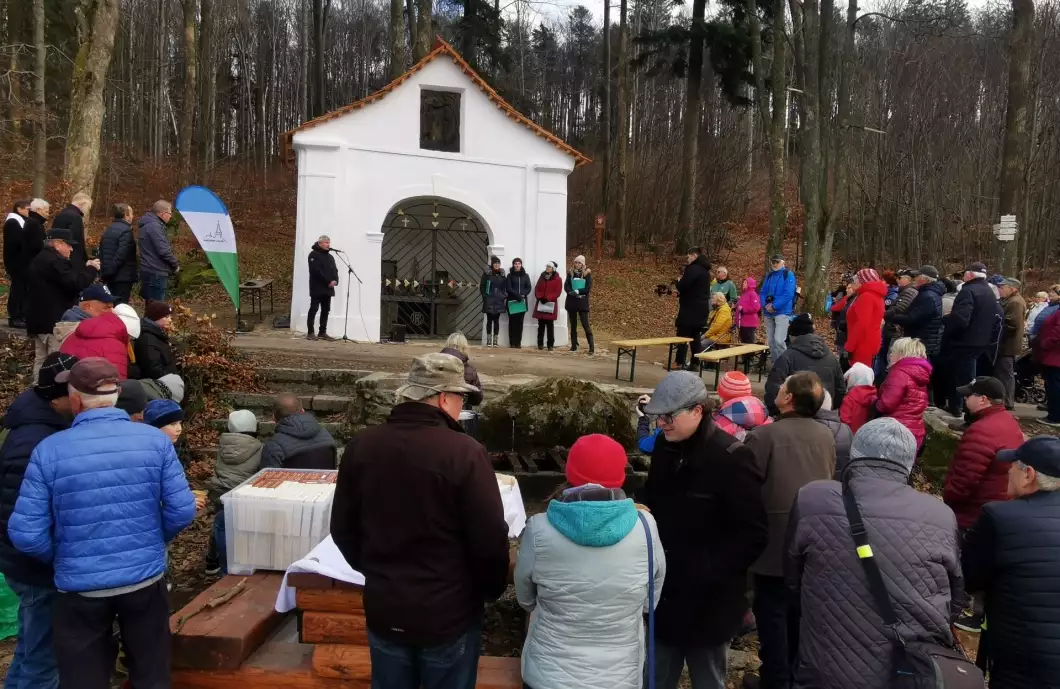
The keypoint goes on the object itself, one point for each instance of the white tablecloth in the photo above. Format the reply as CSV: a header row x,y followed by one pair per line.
x,y
326,559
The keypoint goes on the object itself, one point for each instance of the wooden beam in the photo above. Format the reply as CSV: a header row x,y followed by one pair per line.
x,y
275,665
329,600
225,636
334,628
354,664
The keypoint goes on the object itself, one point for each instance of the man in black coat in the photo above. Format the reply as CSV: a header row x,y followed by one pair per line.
x,y
33,416
807,352
55,282
693,290
73,218
706,497
14,230
323,276
33,231
973,331
1012,555
117,254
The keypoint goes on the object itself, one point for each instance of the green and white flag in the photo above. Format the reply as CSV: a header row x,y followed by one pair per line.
x,y
209,221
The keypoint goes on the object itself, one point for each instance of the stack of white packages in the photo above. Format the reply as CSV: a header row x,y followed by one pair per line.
x,y
277,516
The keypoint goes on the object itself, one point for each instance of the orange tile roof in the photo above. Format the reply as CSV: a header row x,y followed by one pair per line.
x,y
442,48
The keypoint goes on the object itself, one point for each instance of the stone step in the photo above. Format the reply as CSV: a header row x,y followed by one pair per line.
x,y
267,427
326,403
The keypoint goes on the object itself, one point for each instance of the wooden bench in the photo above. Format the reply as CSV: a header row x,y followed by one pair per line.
x,y
222,637
628,348
716,356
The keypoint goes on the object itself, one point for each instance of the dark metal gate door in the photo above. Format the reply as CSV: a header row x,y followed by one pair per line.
x,y
434,255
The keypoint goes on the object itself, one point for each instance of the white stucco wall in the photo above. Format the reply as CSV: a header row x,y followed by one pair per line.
x,y
354,169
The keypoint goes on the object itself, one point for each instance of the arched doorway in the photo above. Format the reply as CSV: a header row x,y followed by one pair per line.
x,y
434,253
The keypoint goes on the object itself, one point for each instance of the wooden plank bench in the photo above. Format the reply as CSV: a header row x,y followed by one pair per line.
x,y
339,662
716,356
224,636
628,348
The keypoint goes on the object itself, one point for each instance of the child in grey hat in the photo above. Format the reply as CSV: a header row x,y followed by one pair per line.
x,y
238,458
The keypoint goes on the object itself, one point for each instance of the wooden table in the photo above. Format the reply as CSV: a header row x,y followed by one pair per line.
x,y
255,289
746,351
629,348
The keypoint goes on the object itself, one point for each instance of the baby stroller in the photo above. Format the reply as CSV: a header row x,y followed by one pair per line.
x,y
1029,386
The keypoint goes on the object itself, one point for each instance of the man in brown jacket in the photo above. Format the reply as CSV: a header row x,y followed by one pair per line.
x,y
418,512
789,453
1011,345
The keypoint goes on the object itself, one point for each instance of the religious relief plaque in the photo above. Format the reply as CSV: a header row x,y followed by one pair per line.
x,y
440,121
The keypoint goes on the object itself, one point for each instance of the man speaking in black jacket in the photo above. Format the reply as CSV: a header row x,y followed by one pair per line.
x,y
323,276
693,290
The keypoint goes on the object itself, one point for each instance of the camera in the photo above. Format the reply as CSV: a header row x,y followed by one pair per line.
x,y
769,299
641,405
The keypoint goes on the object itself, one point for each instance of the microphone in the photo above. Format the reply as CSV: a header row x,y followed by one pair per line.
x,y
338,251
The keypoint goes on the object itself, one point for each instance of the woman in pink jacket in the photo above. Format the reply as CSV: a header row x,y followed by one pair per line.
x,y
904,393
748,311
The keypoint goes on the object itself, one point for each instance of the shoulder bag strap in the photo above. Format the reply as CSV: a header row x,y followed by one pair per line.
x,y
868,562
651,602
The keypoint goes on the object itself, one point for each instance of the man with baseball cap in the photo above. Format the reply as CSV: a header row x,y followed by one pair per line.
x,y
41,411
973,330
1015,313
1012,555
706,497
778,303
54,284
418,512
99,502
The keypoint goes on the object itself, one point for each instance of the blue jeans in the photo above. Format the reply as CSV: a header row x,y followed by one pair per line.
x,y
33,665
777,335
452,666
1051,376
220,545
153,286
706,666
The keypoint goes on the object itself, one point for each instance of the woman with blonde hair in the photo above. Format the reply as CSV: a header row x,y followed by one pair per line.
x,y
719,326
904,393
456,345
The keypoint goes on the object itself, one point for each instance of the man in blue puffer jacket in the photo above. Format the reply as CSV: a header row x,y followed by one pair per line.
x,y
36,414
778,303
100,501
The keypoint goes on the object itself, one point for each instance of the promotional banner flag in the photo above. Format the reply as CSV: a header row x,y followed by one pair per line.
x,y
209,221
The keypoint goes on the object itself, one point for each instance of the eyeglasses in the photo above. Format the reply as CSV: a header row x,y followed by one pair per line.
x,y
669,418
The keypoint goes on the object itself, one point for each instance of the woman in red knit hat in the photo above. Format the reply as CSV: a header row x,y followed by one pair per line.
x,y
740,410
582,573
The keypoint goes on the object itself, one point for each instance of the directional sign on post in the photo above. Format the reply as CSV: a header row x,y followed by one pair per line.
x,y
1005,231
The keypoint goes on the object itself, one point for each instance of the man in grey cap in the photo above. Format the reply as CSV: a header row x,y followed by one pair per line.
x,y
706,497
418,512
842,640
1011,345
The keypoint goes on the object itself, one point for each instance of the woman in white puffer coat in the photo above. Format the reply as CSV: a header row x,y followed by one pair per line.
x,y
582,573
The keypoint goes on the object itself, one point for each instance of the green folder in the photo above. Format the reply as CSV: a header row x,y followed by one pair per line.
x,y
577,284
515,307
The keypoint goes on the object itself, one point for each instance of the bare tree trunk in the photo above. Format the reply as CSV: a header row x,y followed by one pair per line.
x,y
40,129
693,99
303,62
605,113
1017,134
772,107
623,132
320,10
397,38
424,21
86,94
187,115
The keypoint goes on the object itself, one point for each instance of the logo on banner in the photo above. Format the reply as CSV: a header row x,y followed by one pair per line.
x,y
215,237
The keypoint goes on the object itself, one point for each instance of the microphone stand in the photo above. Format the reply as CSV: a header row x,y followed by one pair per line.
x,y
349,271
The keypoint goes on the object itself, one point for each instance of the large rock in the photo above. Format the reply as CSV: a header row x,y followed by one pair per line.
x,y
555,412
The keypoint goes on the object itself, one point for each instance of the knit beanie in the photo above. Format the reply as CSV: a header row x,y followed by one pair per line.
x,y
175,385
596,459
132,399
885,438
868,275
801,324
579,259
734,384
859,374
494,260
157,310
242,421
159,413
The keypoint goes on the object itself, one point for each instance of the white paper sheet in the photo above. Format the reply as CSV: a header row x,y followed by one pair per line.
x,y
326,559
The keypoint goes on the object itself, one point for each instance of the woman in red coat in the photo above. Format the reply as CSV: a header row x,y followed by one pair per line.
x,y
904,393
975,477
1046,345
865,318
103,336
549,287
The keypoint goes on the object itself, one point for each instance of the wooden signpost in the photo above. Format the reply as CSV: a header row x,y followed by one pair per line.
x,y
598,223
